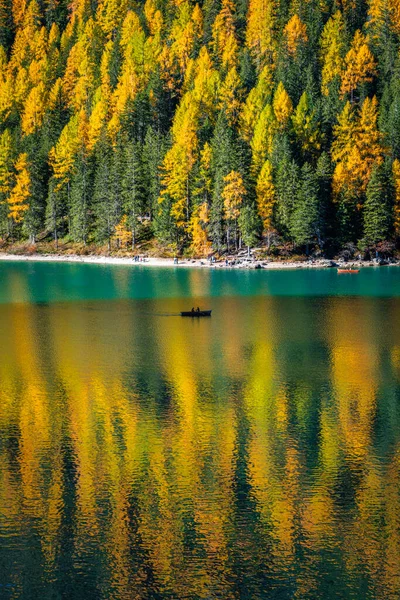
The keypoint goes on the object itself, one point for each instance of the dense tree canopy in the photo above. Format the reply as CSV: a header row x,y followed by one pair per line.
x,y
216,123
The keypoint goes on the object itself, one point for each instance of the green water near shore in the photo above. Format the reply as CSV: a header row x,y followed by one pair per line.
x,y
55,282
252,455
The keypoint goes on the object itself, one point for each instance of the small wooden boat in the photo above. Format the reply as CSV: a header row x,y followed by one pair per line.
x,y
196,313
348,270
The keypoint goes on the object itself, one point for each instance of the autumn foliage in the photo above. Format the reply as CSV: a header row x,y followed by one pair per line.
x,y
211,122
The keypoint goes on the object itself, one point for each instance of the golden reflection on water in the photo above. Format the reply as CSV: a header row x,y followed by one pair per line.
x,y
150,456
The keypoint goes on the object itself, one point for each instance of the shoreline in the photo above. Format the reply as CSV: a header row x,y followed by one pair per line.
x,y
238,263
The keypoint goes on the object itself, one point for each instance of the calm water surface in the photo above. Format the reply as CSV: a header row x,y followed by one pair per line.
x,y
252,455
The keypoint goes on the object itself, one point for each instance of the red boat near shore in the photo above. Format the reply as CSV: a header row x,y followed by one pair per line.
x,y
348,270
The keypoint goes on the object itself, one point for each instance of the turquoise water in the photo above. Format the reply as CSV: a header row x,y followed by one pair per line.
x,y
54,282
255,454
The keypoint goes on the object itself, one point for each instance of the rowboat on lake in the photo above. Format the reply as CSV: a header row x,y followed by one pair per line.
x,y
348,270
196,313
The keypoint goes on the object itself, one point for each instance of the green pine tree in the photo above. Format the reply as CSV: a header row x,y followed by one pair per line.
x,y
80,199
226,158
249,226
133,191
378,207
306,225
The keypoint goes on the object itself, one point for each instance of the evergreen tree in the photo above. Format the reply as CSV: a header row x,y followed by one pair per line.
x,y
378,207
55,210
286,185
80,200
132,187
224,160
306,225
154,149
249,225
103,206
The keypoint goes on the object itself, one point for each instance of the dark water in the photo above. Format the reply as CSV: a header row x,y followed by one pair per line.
x,y
252,455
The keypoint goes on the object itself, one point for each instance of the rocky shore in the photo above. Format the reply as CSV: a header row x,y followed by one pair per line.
x,y
236,262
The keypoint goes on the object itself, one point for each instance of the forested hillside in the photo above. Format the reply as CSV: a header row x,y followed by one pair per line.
x,y
209,124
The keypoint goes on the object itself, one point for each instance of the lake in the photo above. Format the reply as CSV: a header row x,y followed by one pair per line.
x,y
252,455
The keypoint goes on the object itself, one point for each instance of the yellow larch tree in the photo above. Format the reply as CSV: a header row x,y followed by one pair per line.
x,y
296,33
175,180
344,133
109,15
306,126
6,164
29,42
175,55
344,150
396,208
360,65
97,119
21,192
179,161
56,100
225,44
369,140
154,41
34,109
39,72
67,36
78,79
266,196
80,11
54,36
233,195
6,86
262,140
21,87
357,148
383,13
85,81
150,12
200,244
62,155
206,84
394,7
260,32
283,106
135,71
231,92
332,50
18,11
105,63
122,233
203,182
255,103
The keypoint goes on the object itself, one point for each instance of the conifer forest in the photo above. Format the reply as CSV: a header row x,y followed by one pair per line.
x,y
206,125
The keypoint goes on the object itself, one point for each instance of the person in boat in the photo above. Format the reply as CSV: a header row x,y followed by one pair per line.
x,y
192,309
198,309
